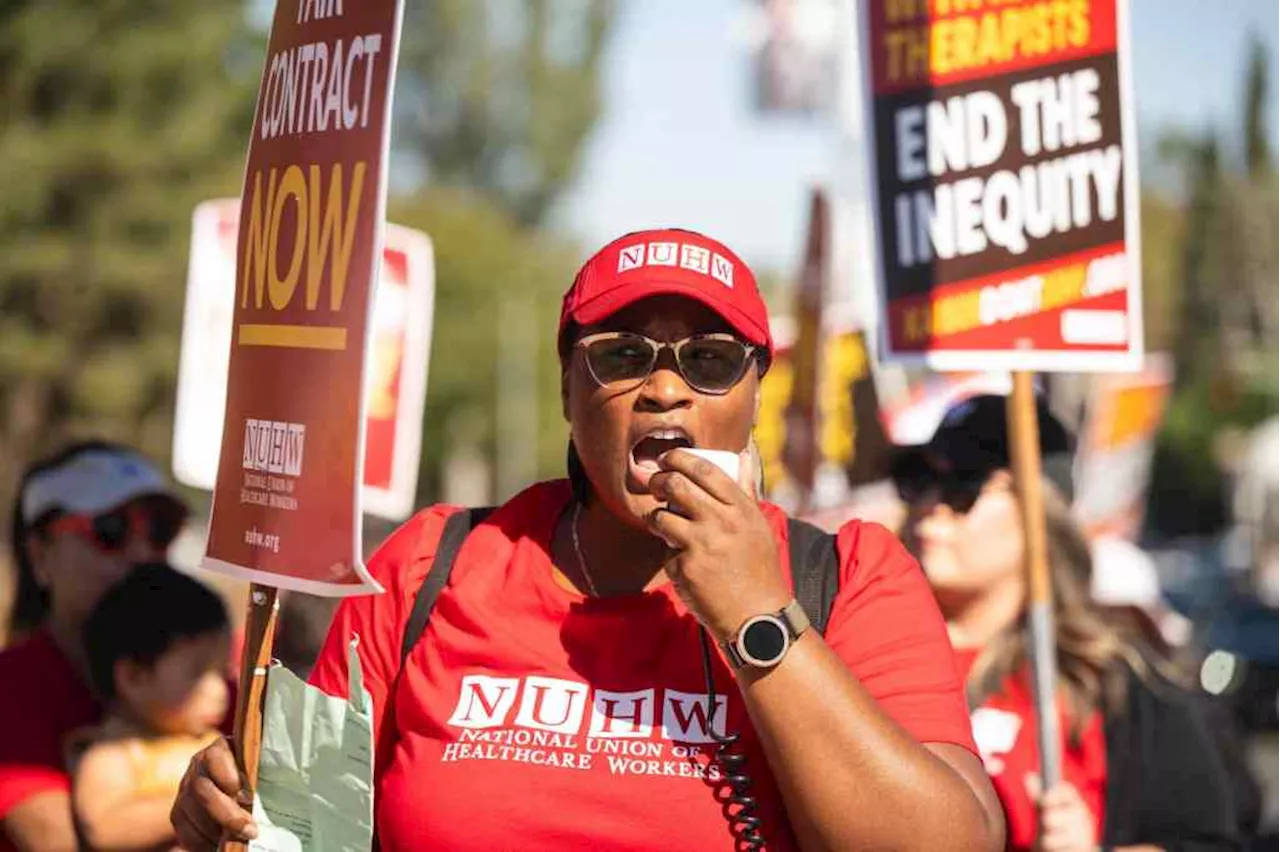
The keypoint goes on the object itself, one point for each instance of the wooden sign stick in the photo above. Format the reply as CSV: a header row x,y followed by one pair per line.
x,y
260,628
1024,438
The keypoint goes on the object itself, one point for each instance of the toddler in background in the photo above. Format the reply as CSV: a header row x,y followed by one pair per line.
x,y
158,645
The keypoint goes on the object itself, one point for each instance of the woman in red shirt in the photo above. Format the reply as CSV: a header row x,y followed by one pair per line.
x,y
1139,767
81,519
557,699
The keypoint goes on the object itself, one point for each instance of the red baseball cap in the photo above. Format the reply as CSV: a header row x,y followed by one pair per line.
x,y
667,261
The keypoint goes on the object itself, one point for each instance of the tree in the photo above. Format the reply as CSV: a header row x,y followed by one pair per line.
x,y
500,97
1224,340
1258,158
1201,260
1250,224
115,119
1164,224
494,103
484,259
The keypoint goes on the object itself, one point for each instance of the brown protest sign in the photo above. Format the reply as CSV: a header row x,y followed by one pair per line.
x,y
1003,171
286,508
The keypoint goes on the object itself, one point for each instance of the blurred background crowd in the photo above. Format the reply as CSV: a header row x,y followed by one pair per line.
x,y
527,132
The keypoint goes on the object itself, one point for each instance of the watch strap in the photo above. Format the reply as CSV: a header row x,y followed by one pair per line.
x,y
793,617
731,654
796,619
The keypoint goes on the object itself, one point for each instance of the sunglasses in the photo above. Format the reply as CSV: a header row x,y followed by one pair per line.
x,y
959,490
708,363
111,531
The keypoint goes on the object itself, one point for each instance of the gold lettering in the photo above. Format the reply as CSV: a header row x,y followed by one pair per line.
x,y
1079,29
893,48
280,289
256,240
1063,286
328,230
903,11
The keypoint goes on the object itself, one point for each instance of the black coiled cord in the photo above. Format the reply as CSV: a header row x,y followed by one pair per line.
x,y
740,808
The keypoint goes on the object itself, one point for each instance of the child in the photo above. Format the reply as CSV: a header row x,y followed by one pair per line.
x,y
157,646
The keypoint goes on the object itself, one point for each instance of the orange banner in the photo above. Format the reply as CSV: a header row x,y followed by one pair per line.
x,y
1117,445
286,508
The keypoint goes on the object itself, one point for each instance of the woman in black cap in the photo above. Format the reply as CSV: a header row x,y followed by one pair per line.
x,y
1140,770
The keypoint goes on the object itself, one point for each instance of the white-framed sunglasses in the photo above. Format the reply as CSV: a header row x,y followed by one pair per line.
x,y
709,363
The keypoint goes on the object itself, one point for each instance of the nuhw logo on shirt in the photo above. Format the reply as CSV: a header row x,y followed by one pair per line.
x,y
556,722
681,255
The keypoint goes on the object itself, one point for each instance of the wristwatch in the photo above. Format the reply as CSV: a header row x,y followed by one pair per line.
x,y
763,640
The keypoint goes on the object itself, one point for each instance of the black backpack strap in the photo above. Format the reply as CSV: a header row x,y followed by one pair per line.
x,y
456,529
815,570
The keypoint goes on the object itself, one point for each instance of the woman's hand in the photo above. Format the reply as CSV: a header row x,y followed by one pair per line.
x,y
726,565
206,806
1066,823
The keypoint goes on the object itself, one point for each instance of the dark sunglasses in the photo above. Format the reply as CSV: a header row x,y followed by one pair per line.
x,y
917,481
709,363
111,531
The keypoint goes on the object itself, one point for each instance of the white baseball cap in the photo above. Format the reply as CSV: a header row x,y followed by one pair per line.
x,y
93,482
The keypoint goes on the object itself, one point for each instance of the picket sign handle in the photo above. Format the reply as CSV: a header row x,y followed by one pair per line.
x,y
260,628
1024,436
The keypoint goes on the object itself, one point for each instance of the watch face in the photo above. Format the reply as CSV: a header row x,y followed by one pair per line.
x,y
764,640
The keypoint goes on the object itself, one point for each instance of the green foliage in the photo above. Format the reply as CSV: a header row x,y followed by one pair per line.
x,y
500,97
483,257
1201,258
1213,267
1258,159
115,119
1164,224
495,102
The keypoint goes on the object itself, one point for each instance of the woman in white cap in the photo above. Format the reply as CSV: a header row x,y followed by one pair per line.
x,y
81,519
1140,770
559,696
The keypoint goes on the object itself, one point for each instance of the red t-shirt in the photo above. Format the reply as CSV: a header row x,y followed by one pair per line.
x,y
1005,730
529,717
42,699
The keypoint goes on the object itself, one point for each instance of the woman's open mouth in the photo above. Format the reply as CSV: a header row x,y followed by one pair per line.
x,y
646,451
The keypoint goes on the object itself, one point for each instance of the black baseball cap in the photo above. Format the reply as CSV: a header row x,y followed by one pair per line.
x,y
972,442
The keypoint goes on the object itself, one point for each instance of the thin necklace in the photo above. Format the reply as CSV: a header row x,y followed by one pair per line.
x,y
577,549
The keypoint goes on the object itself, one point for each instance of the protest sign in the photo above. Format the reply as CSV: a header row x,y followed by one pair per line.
x,y
286,507
800,443
845,432
1003,176
771,426
1117,446
396,393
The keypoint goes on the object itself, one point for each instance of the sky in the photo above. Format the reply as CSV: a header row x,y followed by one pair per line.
x,y
680,144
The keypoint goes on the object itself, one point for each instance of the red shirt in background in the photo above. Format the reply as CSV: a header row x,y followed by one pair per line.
x,y
42,699
529,717
1005,730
